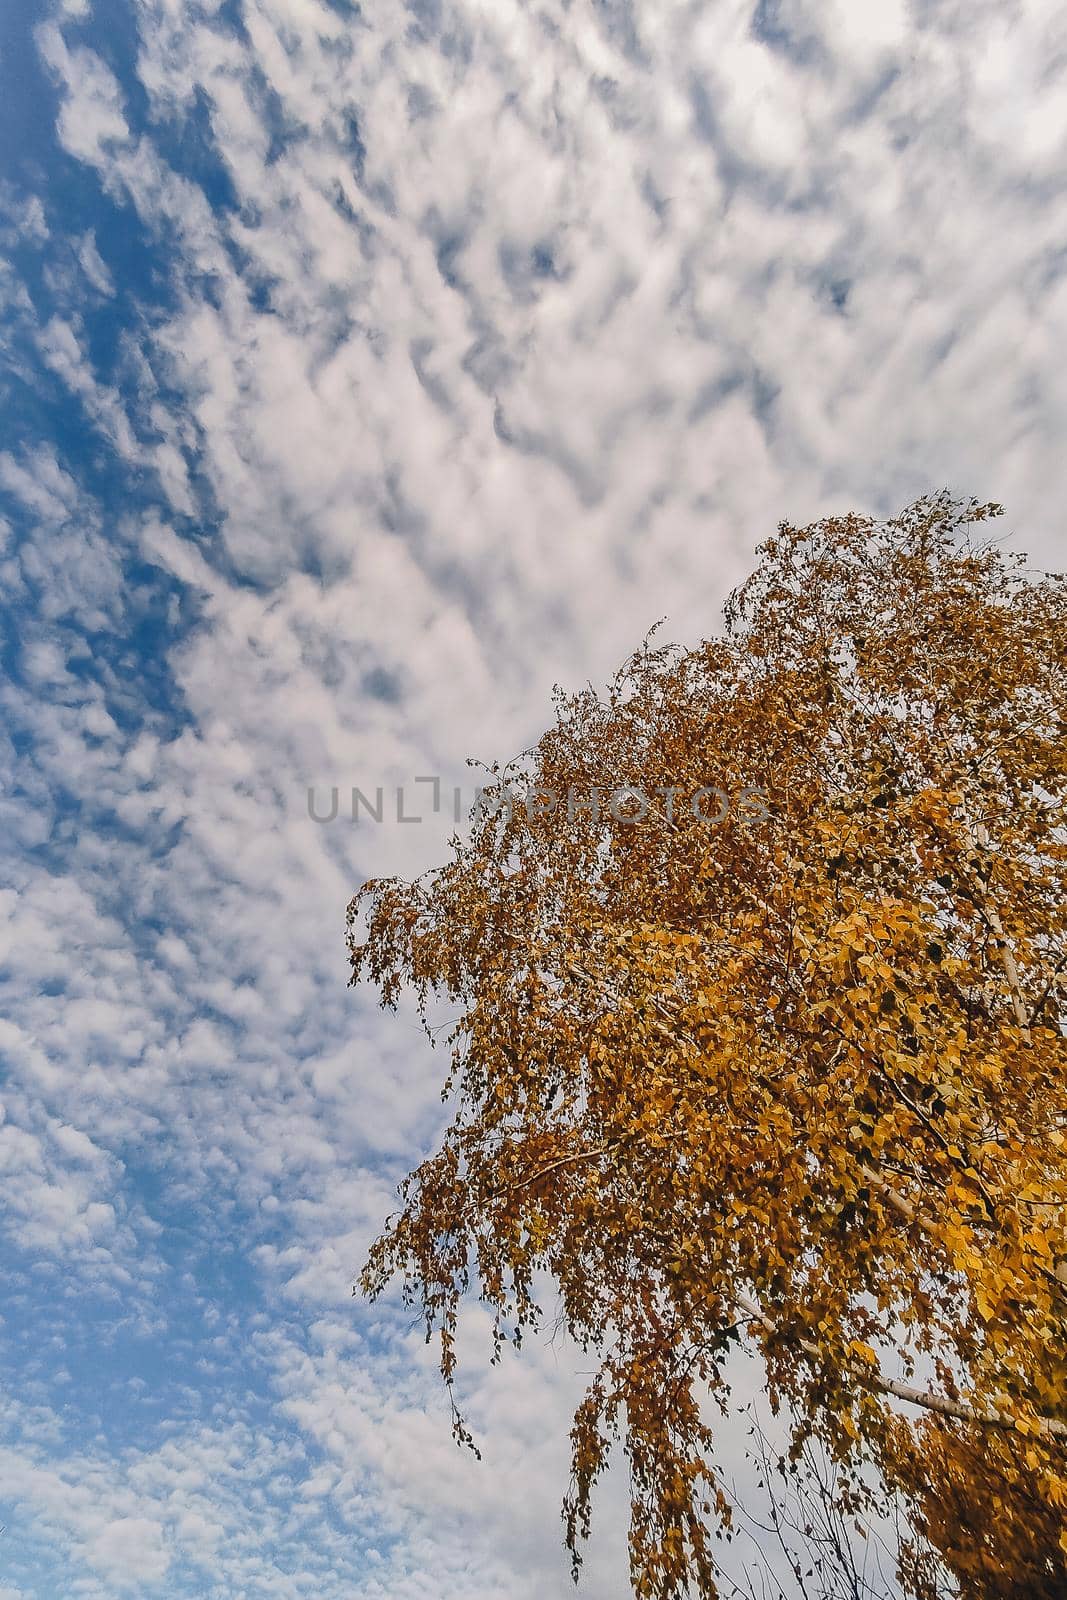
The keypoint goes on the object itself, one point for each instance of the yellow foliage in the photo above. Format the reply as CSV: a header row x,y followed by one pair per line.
x,y
798,1077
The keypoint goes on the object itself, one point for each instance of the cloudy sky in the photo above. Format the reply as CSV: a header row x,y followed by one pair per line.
x,y
368,369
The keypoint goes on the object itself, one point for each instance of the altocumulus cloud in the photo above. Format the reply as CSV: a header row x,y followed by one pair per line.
x,y
369,369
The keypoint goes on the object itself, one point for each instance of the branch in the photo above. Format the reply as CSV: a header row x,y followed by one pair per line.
x,y
560,1161
905,1391
980,840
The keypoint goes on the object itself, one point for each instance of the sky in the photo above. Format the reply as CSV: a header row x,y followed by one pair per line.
x,y
368,369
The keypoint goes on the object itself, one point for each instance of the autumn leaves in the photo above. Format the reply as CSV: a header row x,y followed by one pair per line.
x,y
811,1081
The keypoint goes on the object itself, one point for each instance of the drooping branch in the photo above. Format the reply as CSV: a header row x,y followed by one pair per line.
x,y
906,1391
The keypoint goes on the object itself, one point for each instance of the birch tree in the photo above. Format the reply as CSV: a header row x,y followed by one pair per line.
x,y
788,1071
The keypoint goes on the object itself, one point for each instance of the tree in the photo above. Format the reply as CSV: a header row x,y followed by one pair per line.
x,y
789,1068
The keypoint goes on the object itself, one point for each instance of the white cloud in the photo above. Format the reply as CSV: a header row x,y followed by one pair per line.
x,y
93,266
91,119
858,35
130,1550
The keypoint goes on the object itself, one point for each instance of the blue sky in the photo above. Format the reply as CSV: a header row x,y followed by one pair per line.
x,y
368,369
